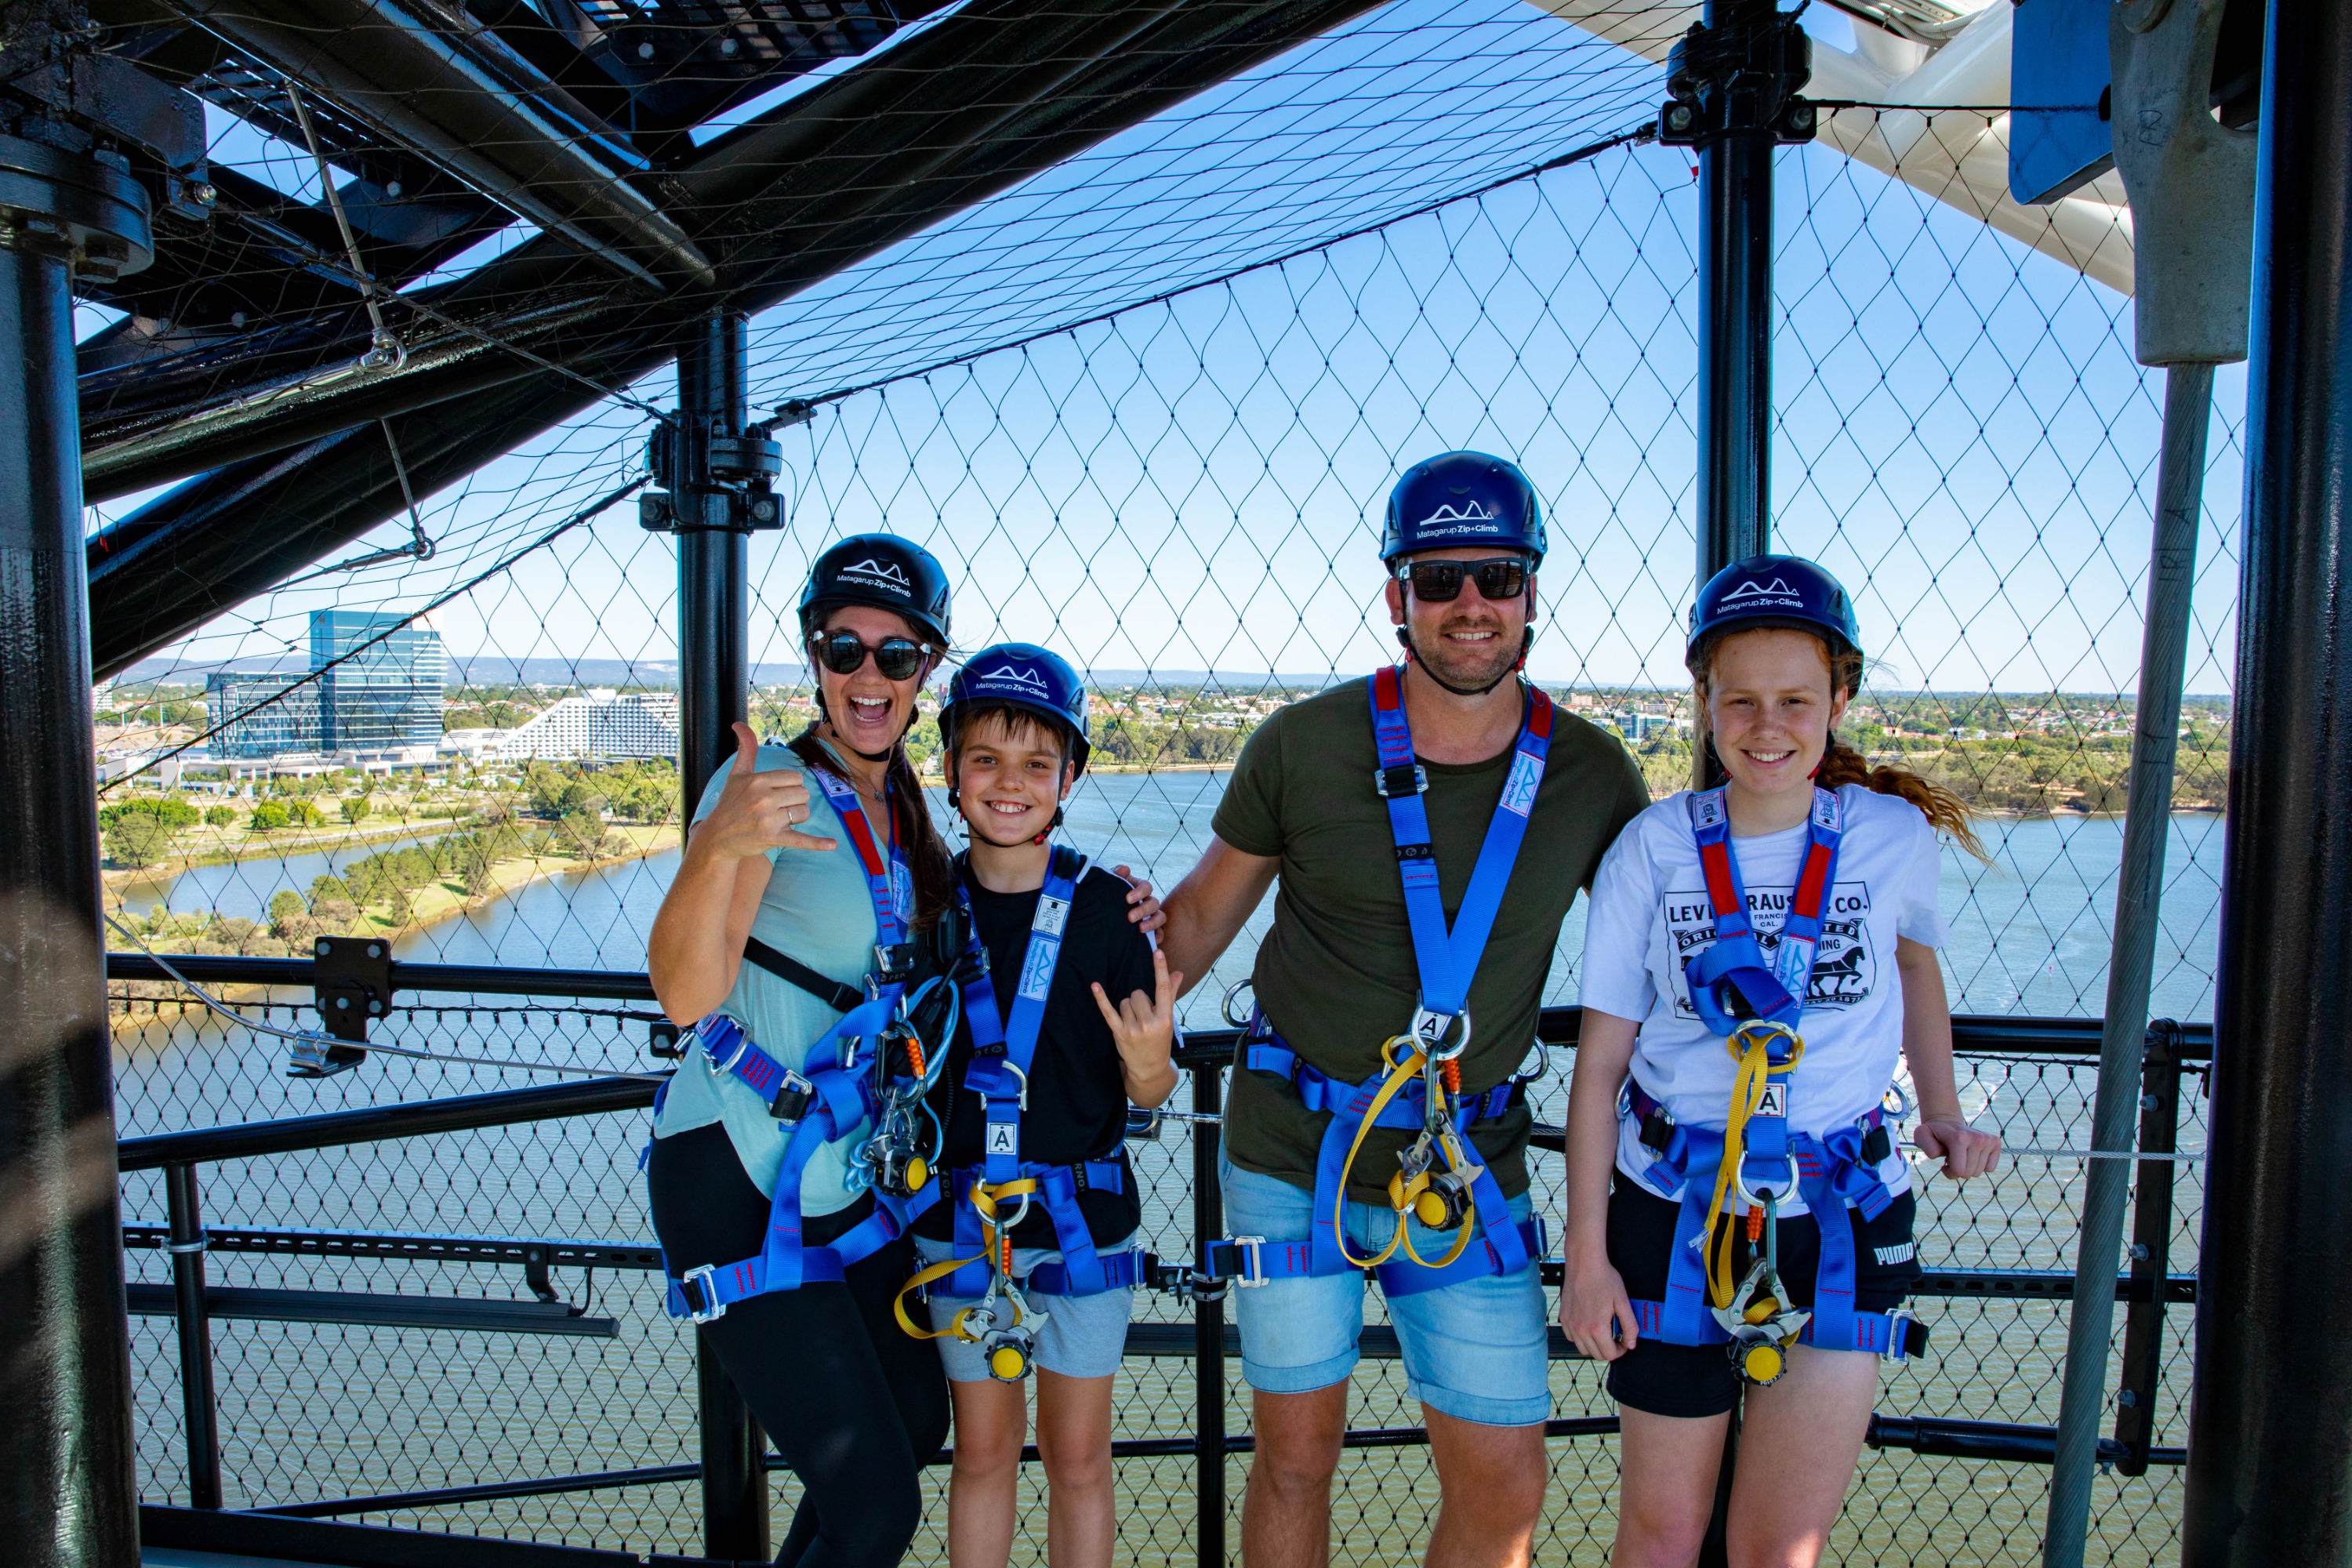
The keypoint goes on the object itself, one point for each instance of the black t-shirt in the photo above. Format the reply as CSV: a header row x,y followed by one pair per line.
x,y
1078,1096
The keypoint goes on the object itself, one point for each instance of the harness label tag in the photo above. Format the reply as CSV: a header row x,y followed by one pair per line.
x,y
1519,789
1707,810
1037,969
1775,1101
1003,1138
902,890
1052,914
1826,810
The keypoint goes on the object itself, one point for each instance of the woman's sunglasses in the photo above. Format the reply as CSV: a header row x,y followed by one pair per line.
x,y
1500,577
896,659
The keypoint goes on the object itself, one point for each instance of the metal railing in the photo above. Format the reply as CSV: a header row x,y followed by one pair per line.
x,y
2148,1288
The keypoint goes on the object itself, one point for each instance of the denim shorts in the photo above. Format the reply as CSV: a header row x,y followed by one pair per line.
x,y
1475,1351
1083,1336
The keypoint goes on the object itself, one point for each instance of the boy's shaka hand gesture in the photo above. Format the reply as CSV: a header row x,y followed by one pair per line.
x,y
1145,1030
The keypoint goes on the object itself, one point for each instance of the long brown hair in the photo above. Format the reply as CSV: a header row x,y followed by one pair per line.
x,y
1841,763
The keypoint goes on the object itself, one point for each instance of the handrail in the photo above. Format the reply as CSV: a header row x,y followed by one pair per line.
x,y
1983,1034
379,1124
468,979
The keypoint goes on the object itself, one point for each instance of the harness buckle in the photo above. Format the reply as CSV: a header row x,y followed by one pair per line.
x,y
702,1283
893,962
792,1097
743,1044
1899,1324
1740,1190
1405,778
1429,1031
1253,1273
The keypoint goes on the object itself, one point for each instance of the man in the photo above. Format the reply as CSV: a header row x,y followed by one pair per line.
x,y
1353,797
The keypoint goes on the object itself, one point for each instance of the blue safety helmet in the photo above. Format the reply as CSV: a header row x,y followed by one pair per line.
x,y
1462,497
1024,676
1771,591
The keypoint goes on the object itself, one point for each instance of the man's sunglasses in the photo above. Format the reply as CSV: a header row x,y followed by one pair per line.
x,y
896,659
1500,577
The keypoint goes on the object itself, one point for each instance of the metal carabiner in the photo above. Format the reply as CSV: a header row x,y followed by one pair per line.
x,y
1225,1008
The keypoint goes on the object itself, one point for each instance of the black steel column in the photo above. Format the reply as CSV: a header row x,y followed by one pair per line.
x,y
1208,1331
68,1494
2267,1480
713,693
1735,338
197,1411
713,633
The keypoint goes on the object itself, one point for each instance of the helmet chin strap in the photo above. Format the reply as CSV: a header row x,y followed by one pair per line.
x,y
1412,656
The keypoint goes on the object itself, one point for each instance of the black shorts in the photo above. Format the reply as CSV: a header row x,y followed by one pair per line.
x,y
1699,1380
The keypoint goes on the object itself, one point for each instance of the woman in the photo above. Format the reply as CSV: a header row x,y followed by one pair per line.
x,y
819,863
1757,960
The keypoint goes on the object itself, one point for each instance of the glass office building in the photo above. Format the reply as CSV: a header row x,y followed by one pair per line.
x,y
388,692
267,715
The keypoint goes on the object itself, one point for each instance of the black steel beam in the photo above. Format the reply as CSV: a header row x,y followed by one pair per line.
x,y
713,565
375,1310
2267,1478
66,1447
425,76
235,533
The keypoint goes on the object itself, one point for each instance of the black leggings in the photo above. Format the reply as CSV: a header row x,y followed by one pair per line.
x,y
855,1405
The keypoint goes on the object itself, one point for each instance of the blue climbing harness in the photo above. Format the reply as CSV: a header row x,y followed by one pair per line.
x,y
1441,1181
1755,1161
829,1097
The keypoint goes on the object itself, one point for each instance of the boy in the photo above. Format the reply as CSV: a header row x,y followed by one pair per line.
x,y
1028,1245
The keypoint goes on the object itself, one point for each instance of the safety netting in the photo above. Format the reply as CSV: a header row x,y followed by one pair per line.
x,y
1146,407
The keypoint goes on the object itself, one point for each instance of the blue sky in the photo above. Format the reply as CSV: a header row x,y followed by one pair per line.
x,y
1964,437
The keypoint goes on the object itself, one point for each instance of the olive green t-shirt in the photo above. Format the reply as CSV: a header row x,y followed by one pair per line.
x,y
1336,974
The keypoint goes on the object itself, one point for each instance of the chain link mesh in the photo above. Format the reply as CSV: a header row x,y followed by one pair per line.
x,y
1176,492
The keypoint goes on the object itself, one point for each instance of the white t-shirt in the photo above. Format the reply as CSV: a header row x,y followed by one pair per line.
x,y
1650,914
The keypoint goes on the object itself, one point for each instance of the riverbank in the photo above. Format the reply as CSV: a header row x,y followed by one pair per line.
x,y
428,906
235,846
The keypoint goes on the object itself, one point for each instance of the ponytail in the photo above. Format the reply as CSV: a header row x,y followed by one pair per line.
x,y
1842,764
918,835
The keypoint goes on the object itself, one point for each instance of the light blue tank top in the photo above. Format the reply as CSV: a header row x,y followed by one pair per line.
x,y
817,909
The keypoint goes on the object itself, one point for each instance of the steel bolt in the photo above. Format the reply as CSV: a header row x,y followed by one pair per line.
x,y
1678,118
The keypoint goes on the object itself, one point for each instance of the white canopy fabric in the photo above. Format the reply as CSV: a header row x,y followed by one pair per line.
x,y
1960,160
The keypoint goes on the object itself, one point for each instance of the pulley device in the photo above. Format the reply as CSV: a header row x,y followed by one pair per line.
x,y
712,480
1740,78
1759,1165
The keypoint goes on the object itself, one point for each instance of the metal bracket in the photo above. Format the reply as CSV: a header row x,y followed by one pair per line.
x,y
712,482
1739,78
351,979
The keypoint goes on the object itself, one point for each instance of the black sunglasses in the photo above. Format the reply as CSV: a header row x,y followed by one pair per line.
x,y
844,653
1500,577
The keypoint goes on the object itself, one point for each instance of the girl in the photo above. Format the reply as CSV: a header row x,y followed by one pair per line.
x,y
1757,957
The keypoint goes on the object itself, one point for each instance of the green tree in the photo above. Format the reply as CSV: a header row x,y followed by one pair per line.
x,y
284,906
268,817
220,817
355,809
139,839
303,813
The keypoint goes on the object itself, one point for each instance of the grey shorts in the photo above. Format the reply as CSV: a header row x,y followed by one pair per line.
x,y
1083,1336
